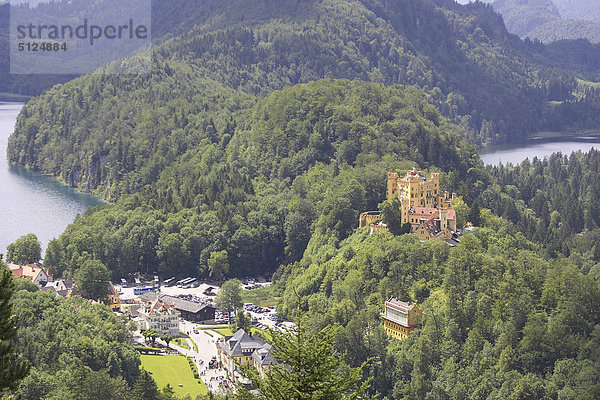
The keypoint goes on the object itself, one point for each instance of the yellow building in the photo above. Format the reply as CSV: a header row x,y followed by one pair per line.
x,y
400,318
423,205
236,351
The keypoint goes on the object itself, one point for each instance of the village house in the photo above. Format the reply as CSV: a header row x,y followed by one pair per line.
x,y
62,287
37,274
263,359
160,316
190,311
400,318
113,298
234,351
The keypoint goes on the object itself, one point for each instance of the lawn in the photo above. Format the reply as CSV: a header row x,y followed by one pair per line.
x,y
262,296
225,331
184,337
228,331
173,370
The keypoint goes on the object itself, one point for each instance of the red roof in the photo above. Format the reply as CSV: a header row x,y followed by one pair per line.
x,y
432,212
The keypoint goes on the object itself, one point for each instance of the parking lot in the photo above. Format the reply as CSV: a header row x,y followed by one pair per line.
x,y
196,293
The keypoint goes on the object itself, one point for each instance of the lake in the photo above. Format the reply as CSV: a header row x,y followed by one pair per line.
x,y
29,201
539,148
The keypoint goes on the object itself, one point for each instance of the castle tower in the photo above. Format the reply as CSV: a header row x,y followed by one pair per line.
x,y
392,186
443,218
405,205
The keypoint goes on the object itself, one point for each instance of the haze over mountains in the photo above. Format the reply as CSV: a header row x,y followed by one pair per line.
x,y
550,20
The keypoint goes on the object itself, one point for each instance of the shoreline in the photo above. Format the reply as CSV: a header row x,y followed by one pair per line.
x,y
59,181
544,137
13,98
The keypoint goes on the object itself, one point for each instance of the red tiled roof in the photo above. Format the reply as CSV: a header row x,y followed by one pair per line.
x,y
432,212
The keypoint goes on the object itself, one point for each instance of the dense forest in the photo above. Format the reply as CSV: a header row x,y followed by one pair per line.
x,y
483,78
553,202
260,136
501,320
311,157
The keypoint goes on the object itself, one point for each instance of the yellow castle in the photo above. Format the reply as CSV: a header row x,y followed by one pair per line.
x,y
424,206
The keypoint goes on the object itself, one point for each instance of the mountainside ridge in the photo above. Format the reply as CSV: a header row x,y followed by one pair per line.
x,y
473,69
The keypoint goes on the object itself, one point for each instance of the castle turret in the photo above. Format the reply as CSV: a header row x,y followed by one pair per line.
x,y
392,185
443,218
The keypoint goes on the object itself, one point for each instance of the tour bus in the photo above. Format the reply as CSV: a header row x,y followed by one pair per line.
x,y
190,282
141,290
181,282
186,282
169,282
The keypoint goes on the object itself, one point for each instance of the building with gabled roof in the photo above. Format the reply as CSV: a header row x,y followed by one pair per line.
x,y
160,316
400,318
237,350
37,274
190,311
263,359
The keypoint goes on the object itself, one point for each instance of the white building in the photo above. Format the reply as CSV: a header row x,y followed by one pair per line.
x,y
37,274
160,316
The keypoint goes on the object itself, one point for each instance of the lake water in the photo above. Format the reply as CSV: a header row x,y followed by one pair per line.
x,y
539,148
30,202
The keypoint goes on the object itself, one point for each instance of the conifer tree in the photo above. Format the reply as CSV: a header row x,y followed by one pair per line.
x,y
145,388
308,369
11,370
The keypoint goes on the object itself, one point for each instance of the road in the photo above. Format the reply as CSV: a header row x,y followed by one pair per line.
x,y
207,349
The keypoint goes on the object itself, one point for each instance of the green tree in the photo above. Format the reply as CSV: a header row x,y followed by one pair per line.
x,y
309,368
166,338
152,334
25,250
229,298
242,321
391,214
11,369
145,388
461,209
93,278
218,264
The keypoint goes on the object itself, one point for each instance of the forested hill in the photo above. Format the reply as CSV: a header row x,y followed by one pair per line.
x,y
494,85
308,160
579,9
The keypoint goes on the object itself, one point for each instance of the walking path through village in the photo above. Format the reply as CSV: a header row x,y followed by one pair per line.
x,y
214,378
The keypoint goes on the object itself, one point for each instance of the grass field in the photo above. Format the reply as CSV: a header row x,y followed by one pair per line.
x,y
184,336
225,331
173,370
228,331
262,296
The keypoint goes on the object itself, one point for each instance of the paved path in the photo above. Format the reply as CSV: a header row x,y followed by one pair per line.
x,y
207,349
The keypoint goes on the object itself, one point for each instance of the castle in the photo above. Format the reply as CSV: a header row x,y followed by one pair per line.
x,y
423,205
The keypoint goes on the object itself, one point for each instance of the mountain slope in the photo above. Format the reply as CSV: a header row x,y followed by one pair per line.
x,y
588,10
478,75
542,20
